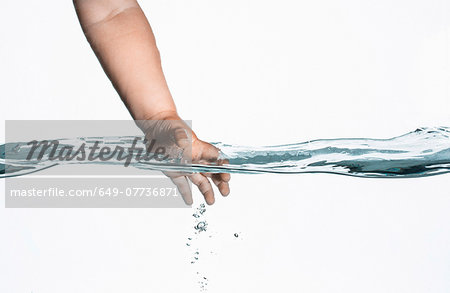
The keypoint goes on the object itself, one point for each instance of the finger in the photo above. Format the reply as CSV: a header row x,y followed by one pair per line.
x,y
183,187
224,176
204,186
209,152
218,176
223,186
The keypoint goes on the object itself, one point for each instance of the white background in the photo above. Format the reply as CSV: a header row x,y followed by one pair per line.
x,y
252,73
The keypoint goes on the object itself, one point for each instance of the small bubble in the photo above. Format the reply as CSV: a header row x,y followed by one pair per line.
x,y
236,235
201,210
201,226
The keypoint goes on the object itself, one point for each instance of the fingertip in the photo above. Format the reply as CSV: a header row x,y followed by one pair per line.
x,y
187,198
224,189
209,196
184,189
210,201
188,201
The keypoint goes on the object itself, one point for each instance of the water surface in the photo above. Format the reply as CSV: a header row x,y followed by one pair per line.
x,y
423,152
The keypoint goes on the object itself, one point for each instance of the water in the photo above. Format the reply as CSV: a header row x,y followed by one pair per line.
x,y
201,256
200,227
423,152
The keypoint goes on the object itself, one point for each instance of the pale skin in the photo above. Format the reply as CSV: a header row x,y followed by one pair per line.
x,y
123,41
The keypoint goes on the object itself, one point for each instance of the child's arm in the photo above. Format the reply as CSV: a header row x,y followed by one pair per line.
x,y
123,41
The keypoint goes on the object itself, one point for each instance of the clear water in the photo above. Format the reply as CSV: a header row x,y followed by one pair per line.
x,y
200,227
423,152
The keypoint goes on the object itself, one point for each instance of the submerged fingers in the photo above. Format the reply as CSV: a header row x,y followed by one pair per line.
x,y
223,186
183,186
219,181
224,176
204,186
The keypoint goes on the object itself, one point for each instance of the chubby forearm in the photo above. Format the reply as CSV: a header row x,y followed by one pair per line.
x,y
123,41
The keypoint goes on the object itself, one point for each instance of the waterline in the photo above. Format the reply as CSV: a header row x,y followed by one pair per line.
x,y
423,152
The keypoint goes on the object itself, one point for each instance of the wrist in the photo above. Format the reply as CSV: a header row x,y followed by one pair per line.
x,y
143,110
149,104
170,114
